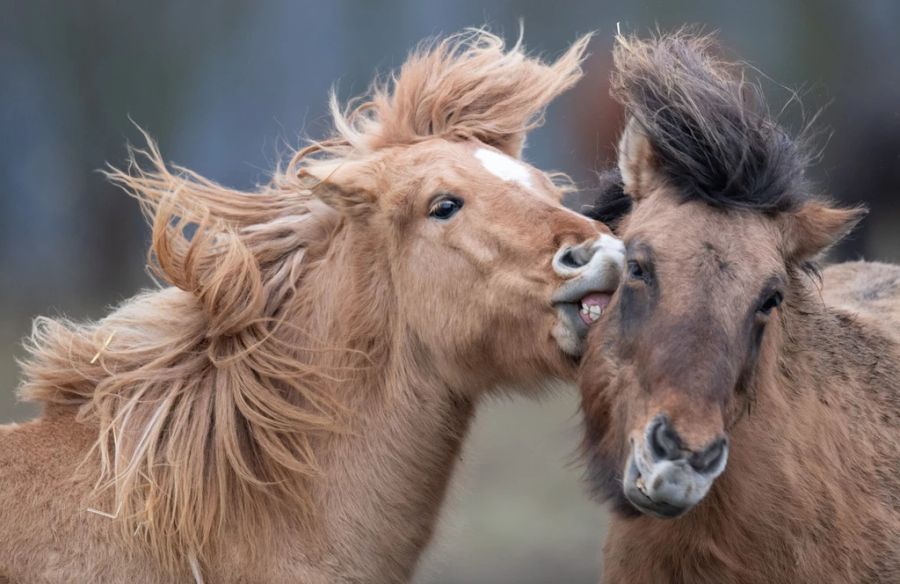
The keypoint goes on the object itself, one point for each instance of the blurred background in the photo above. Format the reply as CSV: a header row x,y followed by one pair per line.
x,y
229,86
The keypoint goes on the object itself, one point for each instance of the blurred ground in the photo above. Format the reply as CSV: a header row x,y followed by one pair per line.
x,y
519,514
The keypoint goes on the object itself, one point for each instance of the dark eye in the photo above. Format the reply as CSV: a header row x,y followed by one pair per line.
x,y
445,208
635,271
772,302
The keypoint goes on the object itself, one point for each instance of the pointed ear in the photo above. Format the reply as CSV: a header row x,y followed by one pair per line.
x,y
815,227
347,186
636,161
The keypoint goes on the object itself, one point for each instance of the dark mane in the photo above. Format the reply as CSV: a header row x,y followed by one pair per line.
x,y
611,203
711,134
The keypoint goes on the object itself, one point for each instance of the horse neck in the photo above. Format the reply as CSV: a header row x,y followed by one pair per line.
x,y
392,470
404,427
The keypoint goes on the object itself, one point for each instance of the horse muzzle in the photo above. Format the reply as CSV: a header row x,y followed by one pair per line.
x,y
591,271
664,479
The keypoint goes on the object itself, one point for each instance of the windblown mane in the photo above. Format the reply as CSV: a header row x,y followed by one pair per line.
x,y
462,87
210,392
204,406
711,134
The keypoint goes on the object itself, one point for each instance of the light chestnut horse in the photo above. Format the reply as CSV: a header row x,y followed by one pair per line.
x,y
742,411
289,407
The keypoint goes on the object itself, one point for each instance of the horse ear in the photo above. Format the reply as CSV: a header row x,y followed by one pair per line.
x,y
350,202
349,187
815,227
637,163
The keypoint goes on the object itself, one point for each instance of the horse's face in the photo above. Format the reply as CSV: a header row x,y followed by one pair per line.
x,y
665,373
693,328
489,268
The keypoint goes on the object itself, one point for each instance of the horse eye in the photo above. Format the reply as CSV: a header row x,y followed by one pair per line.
x,y
635,271
445,208
772,302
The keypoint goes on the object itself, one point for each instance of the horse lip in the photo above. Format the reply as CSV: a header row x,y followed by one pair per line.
x,y
569,311
655,509
572,292
642,502
600,275
567,303
570,330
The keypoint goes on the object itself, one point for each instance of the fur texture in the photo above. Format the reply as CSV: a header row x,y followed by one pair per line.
x,y
806,390
289,405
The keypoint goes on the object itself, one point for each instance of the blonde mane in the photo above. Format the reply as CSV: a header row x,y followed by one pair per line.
x,y
210,393
464,87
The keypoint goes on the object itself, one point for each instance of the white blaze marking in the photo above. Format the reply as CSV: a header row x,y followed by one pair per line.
x,y
504,167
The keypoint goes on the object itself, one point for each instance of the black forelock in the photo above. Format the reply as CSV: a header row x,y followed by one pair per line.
x,y
611,204
711,135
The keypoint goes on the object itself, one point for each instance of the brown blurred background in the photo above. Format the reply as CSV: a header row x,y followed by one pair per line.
x,y
228,86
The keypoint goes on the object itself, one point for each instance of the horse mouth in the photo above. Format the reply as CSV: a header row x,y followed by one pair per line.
x,y
653,508
592,306
576,316
587,305
581,301
636,493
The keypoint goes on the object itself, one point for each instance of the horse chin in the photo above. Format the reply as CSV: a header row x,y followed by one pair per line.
x,y
570,329
653,509
576,314
641,502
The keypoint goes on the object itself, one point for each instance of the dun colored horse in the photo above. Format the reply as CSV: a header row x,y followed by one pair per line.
x,y
742,409
290,406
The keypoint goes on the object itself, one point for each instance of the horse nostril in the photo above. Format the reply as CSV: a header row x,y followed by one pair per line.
x,y
710,457
572,258
568,259
665,443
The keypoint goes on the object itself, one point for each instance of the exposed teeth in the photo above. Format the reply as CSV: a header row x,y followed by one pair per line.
x,y
592,312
